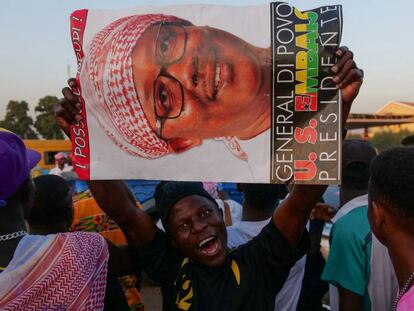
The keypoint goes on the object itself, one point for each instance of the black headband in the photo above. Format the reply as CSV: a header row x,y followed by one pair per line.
x,y
168,193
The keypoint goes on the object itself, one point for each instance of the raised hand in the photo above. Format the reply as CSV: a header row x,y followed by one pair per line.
x,y
322,211
348,77
68,109
113,196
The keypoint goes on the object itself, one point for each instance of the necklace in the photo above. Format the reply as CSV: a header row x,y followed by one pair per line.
x,y
403,290
12,236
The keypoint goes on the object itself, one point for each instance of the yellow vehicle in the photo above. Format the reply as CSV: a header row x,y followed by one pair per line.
x,y
48,149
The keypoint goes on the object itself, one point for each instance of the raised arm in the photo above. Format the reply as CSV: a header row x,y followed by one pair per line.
x,y
116,200
113,196
293,213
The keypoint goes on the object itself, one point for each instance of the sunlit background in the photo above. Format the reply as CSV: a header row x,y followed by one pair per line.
x,y
36,56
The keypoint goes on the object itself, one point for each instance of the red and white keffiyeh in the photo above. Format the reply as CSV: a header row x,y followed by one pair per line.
x,y
112,96
109,89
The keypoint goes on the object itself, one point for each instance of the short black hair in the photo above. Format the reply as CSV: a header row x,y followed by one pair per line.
x,y
22,197
23,194
392,180
263,196
356,176
52,203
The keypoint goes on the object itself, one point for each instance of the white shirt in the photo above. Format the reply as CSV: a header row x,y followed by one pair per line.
x,y
57,171
236,210
350,206
288,297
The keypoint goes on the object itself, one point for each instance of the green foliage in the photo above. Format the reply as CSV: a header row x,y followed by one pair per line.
x,y
18,121
45,121
387,139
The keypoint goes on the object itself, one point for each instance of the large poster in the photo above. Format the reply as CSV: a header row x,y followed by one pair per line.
x,y
208,92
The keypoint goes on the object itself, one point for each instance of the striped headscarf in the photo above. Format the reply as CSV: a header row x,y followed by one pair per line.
x,y
108,85
112,96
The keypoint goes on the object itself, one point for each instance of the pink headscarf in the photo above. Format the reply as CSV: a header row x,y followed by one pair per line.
x,y
60,155
211,188
112,95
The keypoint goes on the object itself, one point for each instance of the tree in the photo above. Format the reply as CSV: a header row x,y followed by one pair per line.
x,y
387,139
18,121
45,121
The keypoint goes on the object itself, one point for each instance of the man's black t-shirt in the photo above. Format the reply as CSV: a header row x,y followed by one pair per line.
x,y
249,280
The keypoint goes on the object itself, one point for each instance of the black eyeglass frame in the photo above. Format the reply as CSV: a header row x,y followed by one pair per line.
x,y
160,120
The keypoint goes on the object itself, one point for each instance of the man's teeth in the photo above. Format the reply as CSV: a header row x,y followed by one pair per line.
x,y
203,242
217,76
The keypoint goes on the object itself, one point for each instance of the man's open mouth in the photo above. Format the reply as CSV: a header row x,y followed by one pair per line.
x,y
216,79
218,75
213,76
209,246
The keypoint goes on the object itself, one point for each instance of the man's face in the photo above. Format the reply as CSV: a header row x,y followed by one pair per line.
x,y
198,230
213,77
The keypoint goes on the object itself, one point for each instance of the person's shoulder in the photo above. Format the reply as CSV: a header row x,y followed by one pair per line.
x,y
358,215
68,168
244,231
160,242
354,224
269,253
91,238
54,170
270,238
235,236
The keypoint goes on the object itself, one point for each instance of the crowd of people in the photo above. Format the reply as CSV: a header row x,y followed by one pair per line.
x,y
203,250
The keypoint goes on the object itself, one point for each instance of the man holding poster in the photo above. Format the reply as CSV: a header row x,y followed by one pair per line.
x,y
191,261
167,89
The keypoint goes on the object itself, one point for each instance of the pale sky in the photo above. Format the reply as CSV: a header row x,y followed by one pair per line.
x,y
36,49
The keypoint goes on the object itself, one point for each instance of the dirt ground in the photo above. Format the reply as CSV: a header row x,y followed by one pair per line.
x,y
151,296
